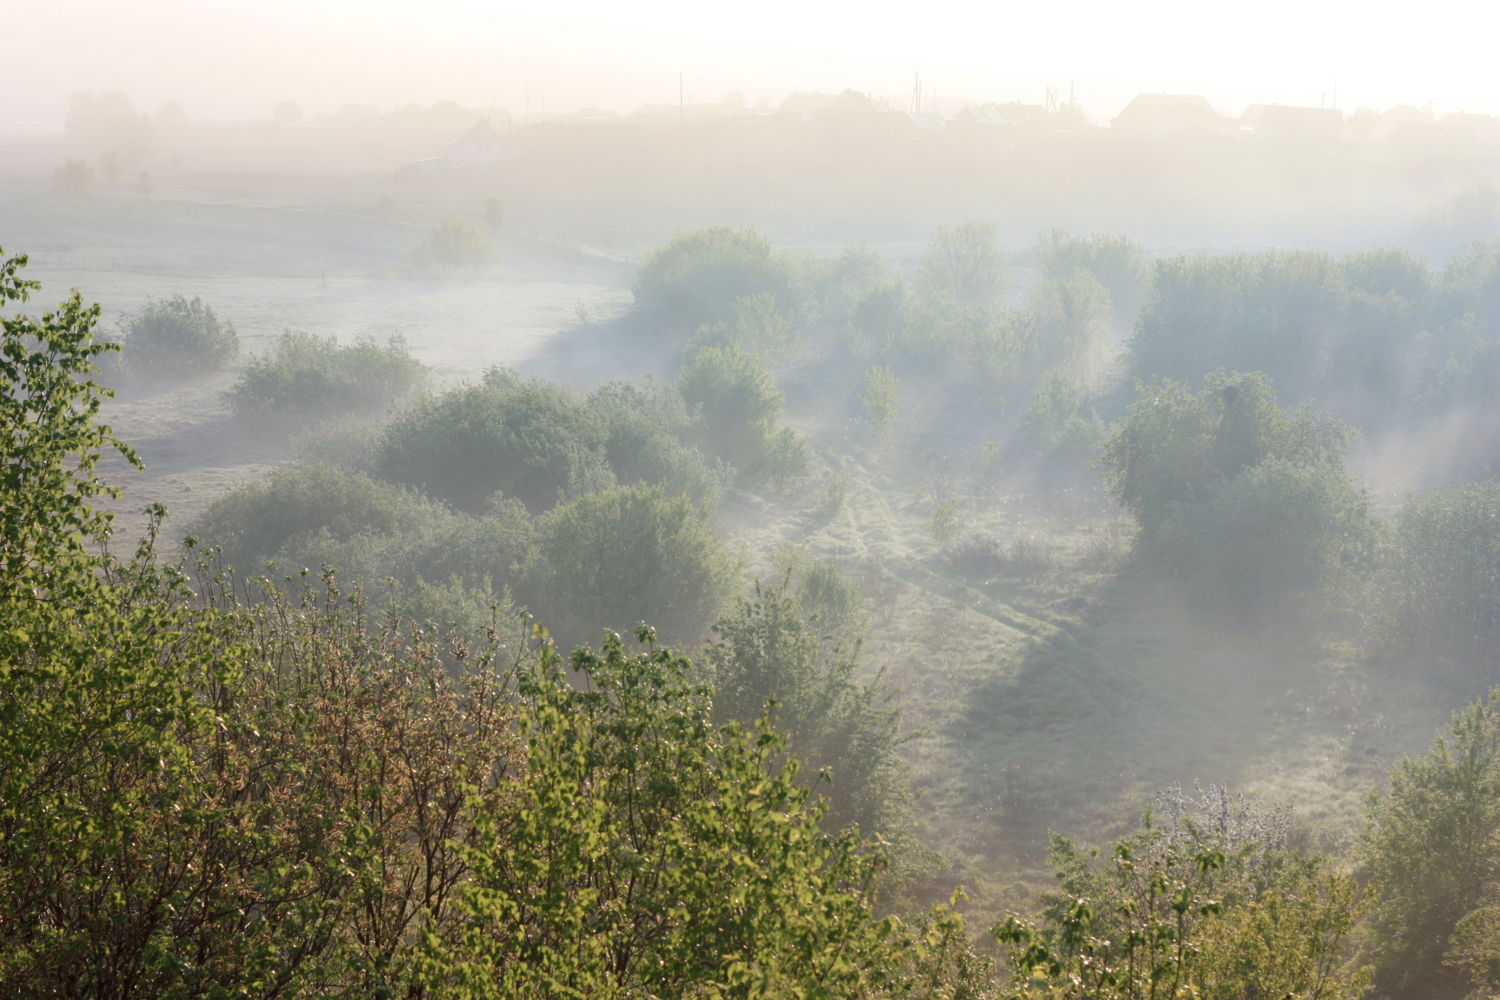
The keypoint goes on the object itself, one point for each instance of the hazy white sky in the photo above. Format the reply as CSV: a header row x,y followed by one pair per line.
x,y
235,58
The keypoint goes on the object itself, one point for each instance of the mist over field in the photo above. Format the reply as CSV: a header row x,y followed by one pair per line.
x,y
785,526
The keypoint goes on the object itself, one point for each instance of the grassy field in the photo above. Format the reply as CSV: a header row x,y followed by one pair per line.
x,y
1059,698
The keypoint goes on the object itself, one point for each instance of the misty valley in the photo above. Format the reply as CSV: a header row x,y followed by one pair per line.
x,y
751,559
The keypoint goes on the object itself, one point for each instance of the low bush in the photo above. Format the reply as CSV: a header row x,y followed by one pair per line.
x,y
1440,579
697,277
306,376
526,439
986,557
787,460
1246,504
172,336
455,243
731,395
643,430
616,558
1062,424
275,516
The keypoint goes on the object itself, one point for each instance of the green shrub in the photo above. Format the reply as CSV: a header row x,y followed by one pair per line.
x,y
732,395
1272,538
787,460
526,439
616,558
1175,446
174,335
494,212
1246,503
1062,425
837,284
882,401
455,243
643,430
258,520
1429,847
1117,262
1368,330
768,648
1440,582
877,319
1072,321
698,276
963,264
306,376
73,178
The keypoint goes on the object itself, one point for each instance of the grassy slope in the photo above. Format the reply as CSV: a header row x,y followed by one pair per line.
x,y
1063,700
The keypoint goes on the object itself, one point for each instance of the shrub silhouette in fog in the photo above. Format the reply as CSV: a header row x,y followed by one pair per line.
x,y
732,396
697,277
177,336
526,439
310,376
1243,501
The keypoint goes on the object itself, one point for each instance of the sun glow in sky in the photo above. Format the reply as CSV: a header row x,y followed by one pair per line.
x,y
235,58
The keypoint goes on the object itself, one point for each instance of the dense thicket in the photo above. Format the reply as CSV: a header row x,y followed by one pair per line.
x,y
1376,334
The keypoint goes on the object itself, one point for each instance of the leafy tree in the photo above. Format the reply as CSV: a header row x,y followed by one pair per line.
x,y
793,651
176,335
1429,846
761,329
1245,503
1072,318
169,825
644,427
963,264
732,394
877,317
109,162
648,854
1062,424
307,376
1176,446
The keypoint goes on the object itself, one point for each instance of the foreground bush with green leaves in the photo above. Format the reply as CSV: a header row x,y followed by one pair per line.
x,y
204,794
240,790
